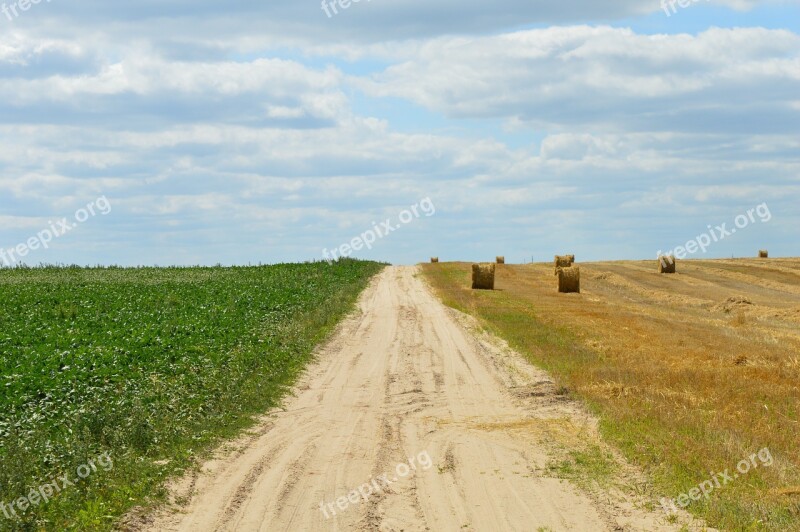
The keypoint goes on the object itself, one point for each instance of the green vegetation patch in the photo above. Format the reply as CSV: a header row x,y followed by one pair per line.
x,y
150,366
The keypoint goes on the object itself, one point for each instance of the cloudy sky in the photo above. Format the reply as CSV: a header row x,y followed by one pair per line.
x,y
266,131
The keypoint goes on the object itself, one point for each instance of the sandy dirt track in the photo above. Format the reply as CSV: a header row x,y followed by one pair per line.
x,y
404,377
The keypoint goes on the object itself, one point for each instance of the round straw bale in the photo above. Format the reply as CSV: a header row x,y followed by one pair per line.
x,y
501,259
666,264
563,261
569,279
763,254
483,276
434,260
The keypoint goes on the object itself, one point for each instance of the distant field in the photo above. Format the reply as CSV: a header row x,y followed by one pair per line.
x,y
690,373
150,365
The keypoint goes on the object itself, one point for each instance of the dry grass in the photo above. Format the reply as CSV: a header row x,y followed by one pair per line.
x,y
690,373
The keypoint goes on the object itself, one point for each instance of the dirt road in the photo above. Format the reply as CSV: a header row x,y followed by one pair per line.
x,y
439,423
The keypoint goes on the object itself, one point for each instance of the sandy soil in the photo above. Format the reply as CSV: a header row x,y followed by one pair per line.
x,y
406,379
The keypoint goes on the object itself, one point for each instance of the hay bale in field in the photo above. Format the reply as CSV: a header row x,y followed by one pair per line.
x,y
501,260
569,280
763,254
483,276
564,261
434,260
666,264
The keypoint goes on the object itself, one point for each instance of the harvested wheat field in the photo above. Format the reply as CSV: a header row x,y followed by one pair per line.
x,y
689,373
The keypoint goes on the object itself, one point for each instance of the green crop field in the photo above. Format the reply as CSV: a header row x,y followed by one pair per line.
x,y
150,366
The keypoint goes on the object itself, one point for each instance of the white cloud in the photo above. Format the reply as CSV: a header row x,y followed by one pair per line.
x,y
607,77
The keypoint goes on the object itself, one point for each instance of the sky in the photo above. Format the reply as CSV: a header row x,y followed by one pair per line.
x,y
177,132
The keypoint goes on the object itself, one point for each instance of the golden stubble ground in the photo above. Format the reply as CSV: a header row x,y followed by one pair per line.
x,y
690,373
